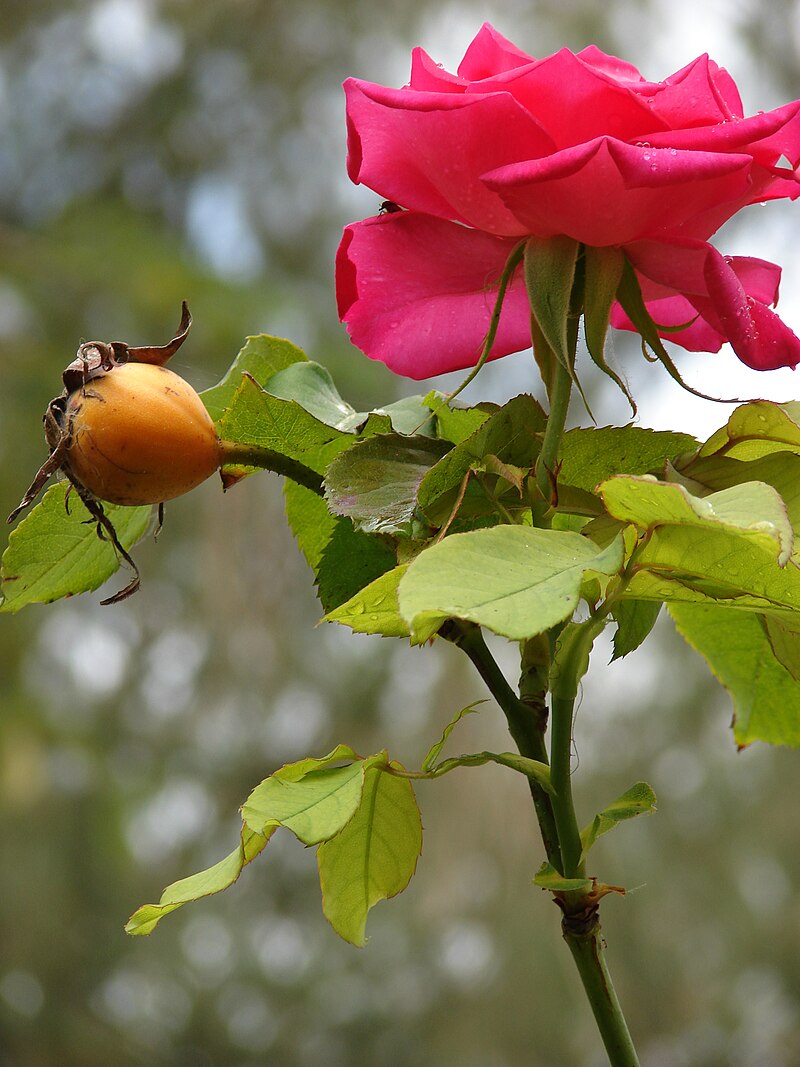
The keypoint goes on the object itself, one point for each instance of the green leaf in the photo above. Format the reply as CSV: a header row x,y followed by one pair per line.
x,y
375,483
725,547
255,417
262,357
373,857
310,798
638,800
343,559
753,511
514,580
309,520
222,875
53,553
531,768
757,429
590,456
780,469
410,416
549,275
375,610
350,561
784,640
512,435
635,619
455,423
311,385
547,877
736,647
435,751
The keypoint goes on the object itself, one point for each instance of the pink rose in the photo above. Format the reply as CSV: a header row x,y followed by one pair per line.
x,y
574,144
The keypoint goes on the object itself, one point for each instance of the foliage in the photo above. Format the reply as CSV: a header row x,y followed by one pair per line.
x,y
444,517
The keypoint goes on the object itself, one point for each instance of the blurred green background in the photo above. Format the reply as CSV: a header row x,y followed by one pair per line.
x,y
160,150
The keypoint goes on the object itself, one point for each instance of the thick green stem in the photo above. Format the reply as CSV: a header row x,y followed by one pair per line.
x,y
241,455
559,829
561,713
523,725
587,951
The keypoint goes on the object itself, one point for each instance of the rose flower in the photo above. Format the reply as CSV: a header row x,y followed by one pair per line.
x,y
579,145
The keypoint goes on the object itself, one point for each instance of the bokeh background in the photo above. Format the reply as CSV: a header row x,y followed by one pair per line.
x,y
159,150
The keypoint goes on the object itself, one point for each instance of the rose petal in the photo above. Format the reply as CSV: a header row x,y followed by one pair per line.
x,y
679,266
766,137
418,293
699,335
621,71
674,281
607,192
574,101
764,185
728,93
758,337
429,77
489,53
689,97
427,150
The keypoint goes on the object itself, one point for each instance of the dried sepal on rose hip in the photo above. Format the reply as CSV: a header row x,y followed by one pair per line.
x,y
126,430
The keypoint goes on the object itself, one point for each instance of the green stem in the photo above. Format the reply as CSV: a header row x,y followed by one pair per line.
x,y
243,455
525,729
556,816
580,924
587,951
561,666
561,713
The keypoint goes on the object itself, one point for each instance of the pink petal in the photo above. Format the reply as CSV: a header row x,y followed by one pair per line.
x,y
426,151
616,68
575,102
607,192
489,53
766,136
699,336
764,185
758,337
429,77
674,278
417,293
690,98
727,92
679,266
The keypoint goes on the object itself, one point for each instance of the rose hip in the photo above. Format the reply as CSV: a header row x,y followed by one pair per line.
x,y
140,435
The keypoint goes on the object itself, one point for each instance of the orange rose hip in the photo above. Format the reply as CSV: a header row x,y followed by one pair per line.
x,y
139,435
